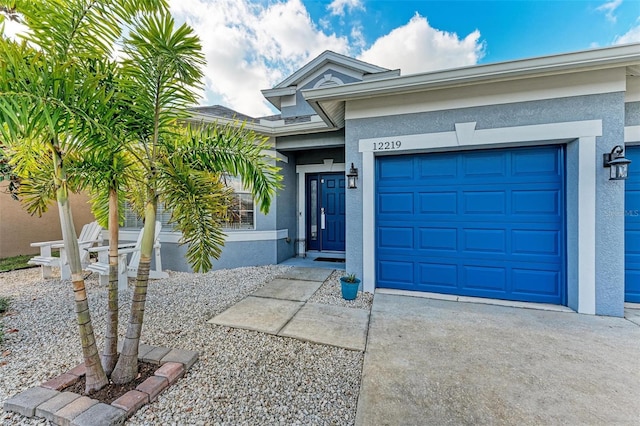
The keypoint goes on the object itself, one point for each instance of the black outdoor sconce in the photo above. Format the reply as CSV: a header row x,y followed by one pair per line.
x,y
352,177
618,165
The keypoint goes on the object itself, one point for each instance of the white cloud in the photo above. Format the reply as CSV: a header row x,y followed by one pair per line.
x,y
418,47
338,7
609,9
13,29
631,36
250,47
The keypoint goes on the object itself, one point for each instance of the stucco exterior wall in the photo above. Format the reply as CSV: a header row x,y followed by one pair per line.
x,y
285,204
632,114
609,196
18,229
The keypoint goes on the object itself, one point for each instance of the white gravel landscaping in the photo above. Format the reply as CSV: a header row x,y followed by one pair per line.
x,y
242,377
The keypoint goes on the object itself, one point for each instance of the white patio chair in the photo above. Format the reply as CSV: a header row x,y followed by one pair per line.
x,y
90,235
131,269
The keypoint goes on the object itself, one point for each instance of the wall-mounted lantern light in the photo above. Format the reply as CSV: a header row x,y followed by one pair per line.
x,y
352,177
618,165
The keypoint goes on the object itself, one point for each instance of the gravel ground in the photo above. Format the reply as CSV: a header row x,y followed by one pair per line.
x,y
242,377
330,294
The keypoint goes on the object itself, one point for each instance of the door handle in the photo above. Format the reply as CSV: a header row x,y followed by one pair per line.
x,y
322,218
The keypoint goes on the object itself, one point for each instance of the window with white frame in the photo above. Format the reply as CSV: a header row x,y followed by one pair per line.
x,y
240,212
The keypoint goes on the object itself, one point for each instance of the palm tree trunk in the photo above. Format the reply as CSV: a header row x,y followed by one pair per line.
x,y
110,354
96,377
127,366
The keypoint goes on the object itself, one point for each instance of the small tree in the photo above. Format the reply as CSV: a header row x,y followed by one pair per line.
x,y
52,101
184,164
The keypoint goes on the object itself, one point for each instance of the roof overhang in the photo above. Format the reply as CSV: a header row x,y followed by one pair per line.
x,y
329,102
267,127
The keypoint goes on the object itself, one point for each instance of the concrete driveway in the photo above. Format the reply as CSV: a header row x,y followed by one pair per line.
x,y
433,362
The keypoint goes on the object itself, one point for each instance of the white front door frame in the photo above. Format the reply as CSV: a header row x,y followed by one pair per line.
x,y
302,170
580,257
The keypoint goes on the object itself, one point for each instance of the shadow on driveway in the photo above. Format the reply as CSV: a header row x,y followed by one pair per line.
x,y
433,362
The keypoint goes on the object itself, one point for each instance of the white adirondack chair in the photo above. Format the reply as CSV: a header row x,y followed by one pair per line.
x,y
89,236
131,269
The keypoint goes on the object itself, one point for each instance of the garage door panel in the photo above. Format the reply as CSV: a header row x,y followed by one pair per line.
x,y
392,237
397,168
484,278
399,203
535,282
535,242
489,233
396,271
484,164
540,202
484,240
632,227
438,203
442,168
484,202
440,275
535,163
438,239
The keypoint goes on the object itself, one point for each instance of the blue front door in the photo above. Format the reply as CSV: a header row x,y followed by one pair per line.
x,y
325,212
632,227
482,223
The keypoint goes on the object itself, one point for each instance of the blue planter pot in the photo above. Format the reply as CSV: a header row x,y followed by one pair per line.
x,y
349,290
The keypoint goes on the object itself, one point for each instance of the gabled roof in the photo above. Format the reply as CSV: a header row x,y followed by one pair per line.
x,y
289,85
329,57
329,102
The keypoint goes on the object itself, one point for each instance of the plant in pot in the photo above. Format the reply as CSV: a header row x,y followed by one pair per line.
x,y
349,285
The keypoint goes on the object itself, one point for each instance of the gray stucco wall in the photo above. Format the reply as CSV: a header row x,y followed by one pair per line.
x,y
317,156
632,114
234,255
609,108
286,206
302,107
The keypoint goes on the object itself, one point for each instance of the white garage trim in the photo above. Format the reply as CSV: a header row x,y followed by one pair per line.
x,y
584,133
632,134
328,166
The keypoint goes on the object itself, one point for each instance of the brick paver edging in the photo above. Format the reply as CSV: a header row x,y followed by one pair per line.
x,y
71,409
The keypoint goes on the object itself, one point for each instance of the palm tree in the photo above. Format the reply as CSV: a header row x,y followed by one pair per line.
x,y
184,164
52,101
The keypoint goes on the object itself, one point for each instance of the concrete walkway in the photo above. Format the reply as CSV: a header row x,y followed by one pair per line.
x,y
281,307
433,362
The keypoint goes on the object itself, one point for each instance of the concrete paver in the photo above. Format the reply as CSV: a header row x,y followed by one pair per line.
x,y
100,414
171,371
131,401
66,414
184,357
25,402
309,274
329,325
289,289
259,314
47,409
60,382
152,386
155,355
439,362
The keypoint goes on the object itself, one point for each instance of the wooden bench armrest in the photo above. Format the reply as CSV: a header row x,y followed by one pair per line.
x,y
47,243
106,248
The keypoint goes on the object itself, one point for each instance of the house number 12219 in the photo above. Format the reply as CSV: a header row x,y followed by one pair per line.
x,y
380,146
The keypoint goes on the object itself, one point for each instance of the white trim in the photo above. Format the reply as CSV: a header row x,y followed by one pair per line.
x,y
231,236
327,166
368,223
632,134
586,225
467,137
632,94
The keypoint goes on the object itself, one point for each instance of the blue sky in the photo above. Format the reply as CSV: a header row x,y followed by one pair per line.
x,y
255,44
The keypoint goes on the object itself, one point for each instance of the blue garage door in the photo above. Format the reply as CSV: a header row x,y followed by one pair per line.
x,y
480,223
632,228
